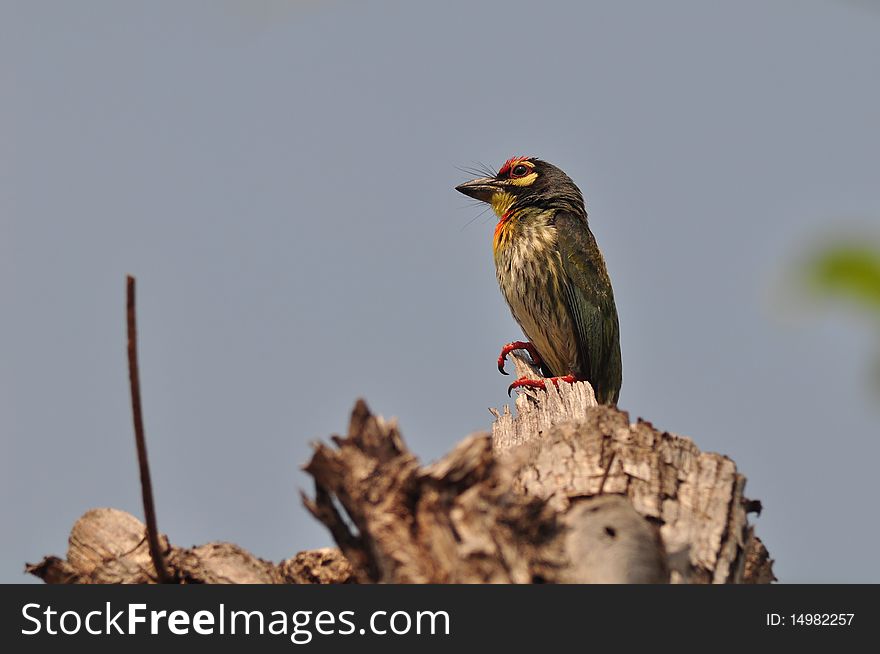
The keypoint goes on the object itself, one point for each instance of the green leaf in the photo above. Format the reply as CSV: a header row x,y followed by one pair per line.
x,y
849,271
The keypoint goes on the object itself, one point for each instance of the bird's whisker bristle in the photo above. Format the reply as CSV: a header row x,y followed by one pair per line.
x,y
478,169
488,171
479,215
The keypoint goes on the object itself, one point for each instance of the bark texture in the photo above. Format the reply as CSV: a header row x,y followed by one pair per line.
x,y
563,492
455,521
109,546
562,445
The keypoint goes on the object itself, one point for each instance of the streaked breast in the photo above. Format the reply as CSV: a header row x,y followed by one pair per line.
x,y
530,274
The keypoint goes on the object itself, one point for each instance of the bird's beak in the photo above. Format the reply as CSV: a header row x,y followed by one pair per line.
x,y
482,188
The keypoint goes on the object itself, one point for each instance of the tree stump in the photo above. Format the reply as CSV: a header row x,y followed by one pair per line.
x,y
564,492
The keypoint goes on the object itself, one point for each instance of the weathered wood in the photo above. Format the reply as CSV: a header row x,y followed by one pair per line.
x,y
758,567
455,521
563,492
538,410
562,446
464,520
109,546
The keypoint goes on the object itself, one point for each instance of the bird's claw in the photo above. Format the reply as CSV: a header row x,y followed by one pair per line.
x,y
518,345
527,382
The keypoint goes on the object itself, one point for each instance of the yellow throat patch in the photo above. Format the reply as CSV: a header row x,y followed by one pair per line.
x,y
501,203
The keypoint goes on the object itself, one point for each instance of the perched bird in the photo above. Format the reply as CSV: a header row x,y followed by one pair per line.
x,y
553,276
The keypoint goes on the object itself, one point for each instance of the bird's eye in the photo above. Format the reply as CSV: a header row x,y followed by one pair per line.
x,y
519,170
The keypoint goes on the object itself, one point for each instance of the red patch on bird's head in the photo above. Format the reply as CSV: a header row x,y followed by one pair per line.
x,y
505,169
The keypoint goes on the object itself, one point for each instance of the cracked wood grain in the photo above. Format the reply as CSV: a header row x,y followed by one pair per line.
x,y
562,446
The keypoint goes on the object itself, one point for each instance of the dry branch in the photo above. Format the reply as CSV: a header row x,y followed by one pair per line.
x,y
139,435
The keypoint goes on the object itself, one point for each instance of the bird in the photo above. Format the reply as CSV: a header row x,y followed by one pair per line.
x,y
553,276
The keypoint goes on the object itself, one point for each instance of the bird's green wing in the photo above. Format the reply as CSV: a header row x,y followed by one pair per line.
x,y
590,302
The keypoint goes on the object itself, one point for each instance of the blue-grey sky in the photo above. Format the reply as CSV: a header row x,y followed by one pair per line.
x,y
279,177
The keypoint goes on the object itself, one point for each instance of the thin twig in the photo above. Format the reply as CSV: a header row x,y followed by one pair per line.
x,y
140,439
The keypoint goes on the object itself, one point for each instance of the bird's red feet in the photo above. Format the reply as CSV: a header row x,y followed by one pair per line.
x,y
518,345
525,382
